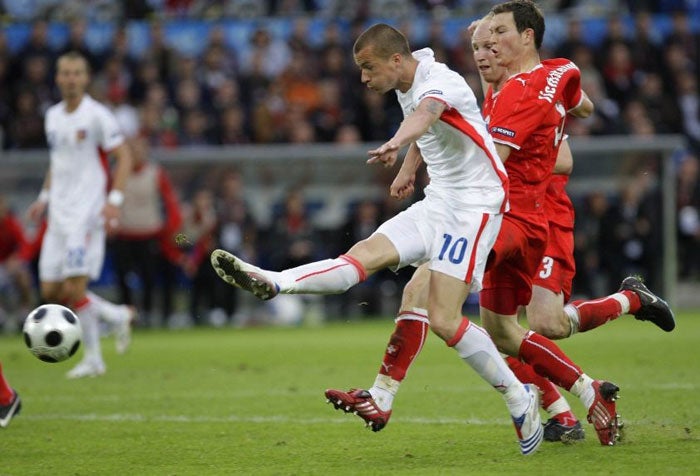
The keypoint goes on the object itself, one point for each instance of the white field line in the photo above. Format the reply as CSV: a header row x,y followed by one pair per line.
x,y
318,394
274,419
138,418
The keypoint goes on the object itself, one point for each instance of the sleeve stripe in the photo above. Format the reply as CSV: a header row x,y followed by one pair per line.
x,y
455,119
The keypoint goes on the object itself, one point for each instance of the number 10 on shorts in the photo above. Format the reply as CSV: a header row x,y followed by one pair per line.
x,y
455,250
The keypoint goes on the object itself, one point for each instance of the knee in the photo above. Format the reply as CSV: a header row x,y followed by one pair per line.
x,y
551,326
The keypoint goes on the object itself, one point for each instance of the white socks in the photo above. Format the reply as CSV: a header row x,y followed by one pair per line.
x,y
574,319
383,391
330,276
559,406
478,350
108,311
91,332
583,389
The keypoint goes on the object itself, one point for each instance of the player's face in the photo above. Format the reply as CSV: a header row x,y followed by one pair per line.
x,y
72,77
484,58
379,74
506,42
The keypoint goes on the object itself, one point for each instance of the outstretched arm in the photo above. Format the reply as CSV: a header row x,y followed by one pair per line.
x,y
413,126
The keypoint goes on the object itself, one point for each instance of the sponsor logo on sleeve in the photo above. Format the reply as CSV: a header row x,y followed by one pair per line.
x,y
503,131
432,92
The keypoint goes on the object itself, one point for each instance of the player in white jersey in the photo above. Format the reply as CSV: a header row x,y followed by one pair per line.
x,y
452,229
80,133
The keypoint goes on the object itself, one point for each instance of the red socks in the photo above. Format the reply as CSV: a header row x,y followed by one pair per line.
x,y
550,393
404,345
526,374
548,360
635,302
597,312
6,392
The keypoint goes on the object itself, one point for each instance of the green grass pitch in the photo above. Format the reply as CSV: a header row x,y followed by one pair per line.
x,y
228,401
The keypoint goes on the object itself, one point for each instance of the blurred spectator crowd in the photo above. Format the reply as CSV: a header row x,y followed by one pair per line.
x,y
298,84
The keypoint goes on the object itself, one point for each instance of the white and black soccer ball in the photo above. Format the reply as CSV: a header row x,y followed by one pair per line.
x,y
52,333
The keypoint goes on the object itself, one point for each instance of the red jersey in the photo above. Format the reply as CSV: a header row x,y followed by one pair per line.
x,y
558,206
528,115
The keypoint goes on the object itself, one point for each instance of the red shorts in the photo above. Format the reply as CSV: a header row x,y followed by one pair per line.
x,y
513,262
557,269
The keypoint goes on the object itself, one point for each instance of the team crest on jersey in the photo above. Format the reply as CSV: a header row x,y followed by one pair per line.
x,y
80,135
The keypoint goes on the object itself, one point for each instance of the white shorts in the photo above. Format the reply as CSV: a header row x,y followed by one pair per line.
x,y
454,242
66,255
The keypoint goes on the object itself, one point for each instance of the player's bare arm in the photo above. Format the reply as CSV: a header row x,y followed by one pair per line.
x,y
112,210
503,151
413,126
38,207
565,160
584,109
403,185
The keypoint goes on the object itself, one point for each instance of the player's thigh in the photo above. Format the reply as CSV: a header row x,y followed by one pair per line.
x,y
96,252
51,258
462,241
74,288
512,264
375,253
408,235
84,253
557,267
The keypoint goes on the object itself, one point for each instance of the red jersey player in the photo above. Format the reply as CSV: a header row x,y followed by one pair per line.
x,y
409,335
551,288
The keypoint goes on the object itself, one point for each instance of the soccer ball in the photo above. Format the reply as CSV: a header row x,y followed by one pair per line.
x,y
52,333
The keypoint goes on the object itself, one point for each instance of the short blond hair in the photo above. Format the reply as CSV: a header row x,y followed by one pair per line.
x,y
385,41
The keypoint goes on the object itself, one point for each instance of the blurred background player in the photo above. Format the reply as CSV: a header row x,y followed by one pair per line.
x,y
10,403
116,316
80,131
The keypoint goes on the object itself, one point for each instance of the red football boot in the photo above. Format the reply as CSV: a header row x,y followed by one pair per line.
x,y
361,403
